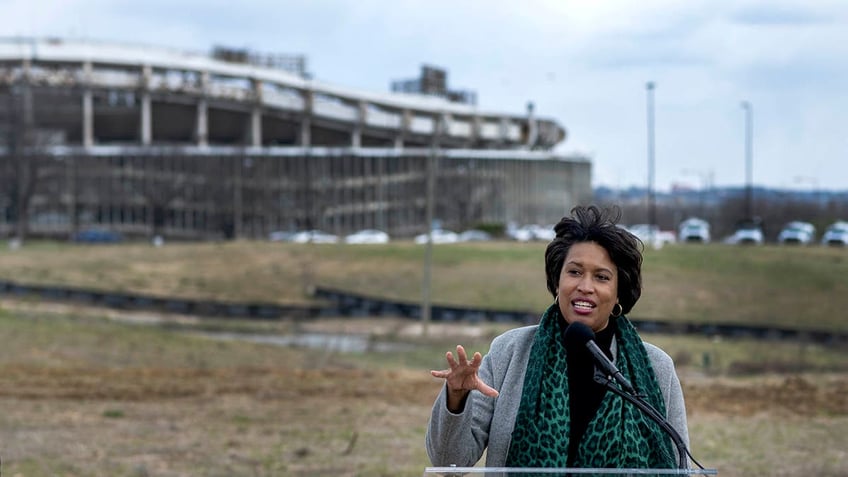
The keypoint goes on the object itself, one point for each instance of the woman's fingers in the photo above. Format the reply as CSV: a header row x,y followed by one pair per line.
x,y
461,356
451,361
486,389
461,359
476,360
463,373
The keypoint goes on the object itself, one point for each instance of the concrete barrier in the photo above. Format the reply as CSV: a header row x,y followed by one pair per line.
x,y
348,304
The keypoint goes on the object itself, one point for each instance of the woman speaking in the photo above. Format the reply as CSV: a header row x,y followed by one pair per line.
x,y
532,400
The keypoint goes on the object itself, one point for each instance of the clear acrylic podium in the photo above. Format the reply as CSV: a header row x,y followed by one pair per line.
x,y
555,472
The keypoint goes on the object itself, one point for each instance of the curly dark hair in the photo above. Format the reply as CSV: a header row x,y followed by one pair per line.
x,y
591,224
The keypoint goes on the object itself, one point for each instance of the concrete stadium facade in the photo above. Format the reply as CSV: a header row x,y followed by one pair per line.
x,y
154,141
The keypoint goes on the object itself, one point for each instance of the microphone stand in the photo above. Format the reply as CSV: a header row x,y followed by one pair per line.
x,y
638,401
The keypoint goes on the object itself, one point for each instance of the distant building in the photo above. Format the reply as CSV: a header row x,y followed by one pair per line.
x,y
151,141
434,82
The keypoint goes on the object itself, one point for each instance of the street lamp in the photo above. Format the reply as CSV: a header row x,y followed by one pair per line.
x,y
432,165
652,211
749,153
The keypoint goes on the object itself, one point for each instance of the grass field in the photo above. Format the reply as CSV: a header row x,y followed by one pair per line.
x,y
799,287
93,392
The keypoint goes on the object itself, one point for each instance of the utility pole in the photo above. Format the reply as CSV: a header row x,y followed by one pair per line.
x,y
432,165
652,208
749,158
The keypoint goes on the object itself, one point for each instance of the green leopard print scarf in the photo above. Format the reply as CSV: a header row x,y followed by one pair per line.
x,y
618,436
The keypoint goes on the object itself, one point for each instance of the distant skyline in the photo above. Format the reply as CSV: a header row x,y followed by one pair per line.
x,y
584,64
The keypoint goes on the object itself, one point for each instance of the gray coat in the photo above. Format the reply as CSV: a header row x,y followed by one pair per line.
x,y
486,423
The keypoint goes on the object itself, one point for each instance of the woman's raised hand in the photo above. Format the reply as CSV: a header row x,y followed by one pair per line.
x,y
462,377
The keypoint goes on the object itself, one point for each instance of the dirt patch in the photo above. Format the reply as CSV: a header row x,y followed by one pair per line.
x,y
271,421
778,395
188,409
792,395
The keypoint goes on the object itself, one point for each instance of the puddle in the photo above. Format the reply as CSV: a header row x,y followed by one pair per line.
x,y
326,341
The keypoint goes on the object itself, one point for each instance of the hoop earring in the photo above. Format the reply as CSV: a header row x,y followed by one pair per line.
x,y
556,299
620,310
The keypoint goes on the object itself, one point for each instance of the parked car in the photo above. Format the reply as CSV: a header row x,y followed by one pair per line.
x,y
694,230
797,233
474,236
651,235
367,236
521,234
747,233
836,234
281,236
97,236
314,236
439,236
544,233
526,233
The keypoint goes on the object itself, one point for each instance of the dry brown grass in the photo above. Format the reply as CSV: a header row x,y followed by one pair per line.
x,y
184,405
268,421
88,392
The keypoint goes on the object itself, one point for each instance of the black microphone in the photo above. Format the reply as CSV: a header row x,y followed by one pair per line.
x,y
578,334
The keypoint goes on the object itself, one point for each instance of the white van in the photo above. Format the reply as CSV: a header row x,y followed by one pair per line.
x,y
694,230
836,234
795,232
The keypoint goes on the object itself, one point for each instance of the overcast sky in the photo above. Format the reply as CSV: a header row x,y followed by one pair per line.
x,y
584,63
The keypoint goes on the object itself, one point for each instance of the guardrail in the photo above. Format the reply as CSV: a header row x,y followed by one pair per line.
x,y
343,303
131,301
350,304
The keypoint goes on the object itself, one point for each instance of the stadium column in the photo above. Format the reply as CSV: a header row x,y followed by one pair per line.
x,y
476,126
503,131
256,114
532,126
361,117
87,107
442,127
405,124
306,119
146,112
202,132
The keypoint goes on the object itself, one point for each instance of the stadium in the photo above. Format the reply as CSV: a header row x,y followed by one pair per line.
x,y
151,141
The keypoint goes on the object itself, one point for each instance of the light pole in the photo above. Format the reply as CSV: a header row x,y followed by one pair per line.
x,y
432,165
749,158
652,210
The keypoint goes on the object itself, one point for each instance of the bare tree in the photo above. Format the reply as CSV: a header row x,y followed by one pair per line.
x,y
25,158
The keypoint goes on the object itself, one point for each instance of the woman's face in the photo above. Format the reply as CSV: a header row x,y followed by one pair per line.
x,y
588,286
